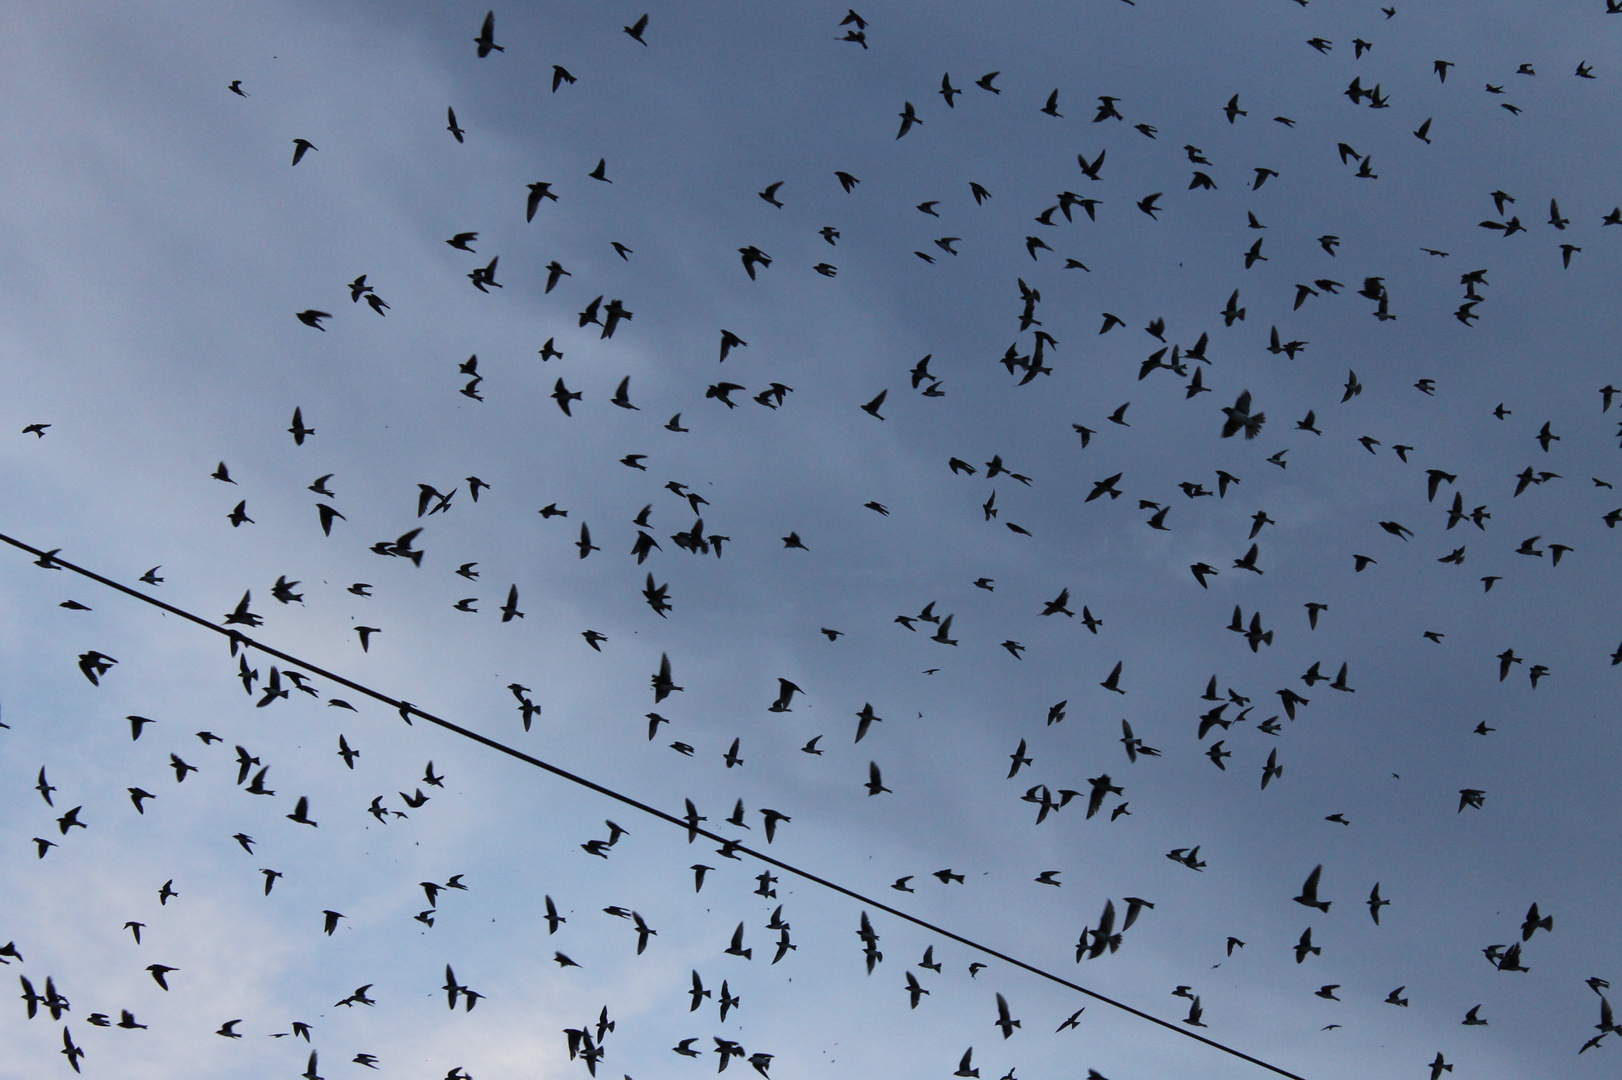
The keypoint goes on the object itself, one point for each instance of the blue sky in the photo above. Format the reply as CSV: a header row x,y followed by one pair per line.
x,y
160,245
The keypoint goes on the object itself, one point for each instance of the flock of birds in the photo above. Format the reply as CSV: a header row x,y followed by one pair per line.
x,y
1221,710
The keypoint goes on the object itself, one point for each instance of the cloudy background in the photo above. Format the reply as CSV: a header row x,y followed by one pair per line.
x,y
158,245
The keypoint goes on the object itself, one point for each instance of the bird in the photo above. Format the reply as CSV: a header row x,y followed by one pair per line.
x,y
451,125
636,29
486,39
1309,891
909,118
301,812
300,147
1112,680
298,430
1004,1021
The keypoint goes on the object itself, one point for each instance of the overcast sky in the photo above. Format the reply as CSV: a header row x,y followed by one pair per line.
x,y
160,246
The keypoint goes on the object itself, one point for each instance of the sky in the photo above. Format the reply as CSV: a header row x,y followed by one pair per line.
x,y
161,246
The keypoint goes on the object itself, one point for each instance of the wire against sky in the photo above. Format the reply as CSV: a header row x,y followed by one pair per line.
x,y
407,710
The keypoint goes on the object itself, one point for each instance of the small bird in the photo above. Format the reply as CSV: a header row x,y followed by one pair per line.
x,y
1309,891
301,812
486,39
909,118
1004,1021
298,430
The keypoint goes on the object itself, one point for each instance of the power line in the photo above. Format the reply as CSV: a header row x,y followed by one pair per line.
x,y
407,710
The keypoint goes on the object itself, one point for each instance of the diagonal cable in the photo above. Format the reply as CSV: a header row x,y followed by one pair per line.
x,y
408,710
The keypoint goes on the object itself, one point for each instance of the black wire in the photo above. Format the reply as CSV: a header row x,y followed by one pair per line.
x,y
408,710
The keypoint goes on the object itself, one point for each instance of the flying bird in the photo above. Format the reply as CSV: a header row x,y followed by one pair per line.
x,y
486,41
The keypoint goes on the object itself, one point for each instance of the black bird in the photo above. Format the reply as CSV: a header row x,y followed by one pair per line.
x,y
1309,891
298,430
1240,418
94,665
1003,1020
563,396
486,39
909,118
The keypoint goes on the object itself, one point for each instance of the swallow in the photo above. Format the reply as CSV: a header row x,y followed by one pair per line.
x,y
1003,1020
300,148
1272,770
910,118
736,947
1309,891
301,812
69,820
72,1052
